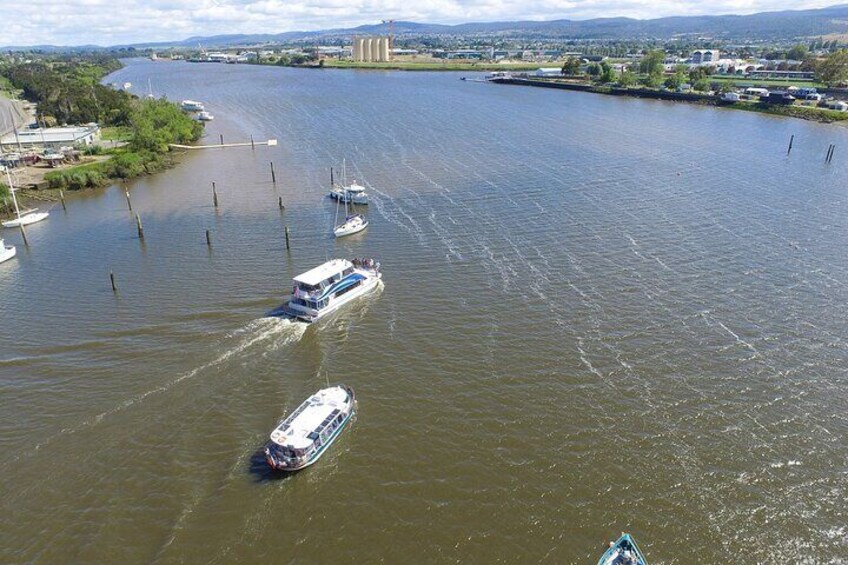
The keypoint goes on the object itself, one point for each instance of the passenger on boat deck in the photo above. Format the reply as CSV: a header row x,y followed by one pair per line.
x,y
624,558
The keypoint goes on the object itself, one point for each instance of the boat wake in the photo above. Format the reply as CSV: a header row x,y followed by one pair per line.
x,y
272,333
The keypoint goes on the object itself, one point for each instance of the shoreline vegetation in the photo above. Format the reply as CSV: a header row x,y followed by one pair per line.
x,y
793,111
68,90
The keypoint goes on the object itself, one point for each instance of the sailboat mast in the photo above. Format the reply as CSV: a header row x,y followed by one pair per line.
x,y
12,190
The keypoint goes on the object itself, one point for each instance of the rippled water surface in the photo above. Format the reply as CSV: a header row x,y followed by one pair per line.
x,y
599,315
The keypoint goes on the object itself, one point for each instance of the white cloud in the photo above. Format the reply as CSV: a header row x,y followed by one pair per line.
x,y
111,22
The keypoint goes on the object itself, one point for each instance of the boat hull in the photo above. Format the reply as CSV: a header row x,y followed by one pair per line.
x,y
613,555
343,231
360,199
26,220
7,253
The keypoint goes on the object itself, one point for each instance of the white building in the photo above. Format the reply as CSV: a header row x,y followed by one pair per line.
x,y
52,138
548,72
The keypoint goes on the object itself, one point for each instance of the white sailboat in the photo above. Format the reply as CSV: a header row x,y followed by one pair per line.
x,y
354,223
28,217
6,251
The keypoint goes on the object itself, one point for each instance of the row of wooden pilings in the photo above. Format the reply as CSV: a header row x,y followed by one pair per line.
x,y
215,202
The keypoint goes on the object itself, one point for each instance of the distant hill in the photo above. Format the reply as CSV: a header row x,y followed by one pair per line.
x,y
783,25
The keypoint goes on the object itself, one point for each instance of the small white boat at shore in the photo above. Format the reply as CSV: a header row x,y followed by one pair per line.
x,y
352,224
6,251
26,219
328,287
192,106
205,117
299,440
22,218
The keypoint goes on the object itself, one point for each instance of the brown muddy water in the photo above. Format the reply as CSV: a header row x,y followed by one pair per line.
x,y
599,315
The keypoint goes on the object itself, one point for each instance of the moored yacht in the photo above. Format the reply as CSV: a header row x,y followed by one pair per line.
x,y
327,287
352,224
303,436
192,106
353,193
6,251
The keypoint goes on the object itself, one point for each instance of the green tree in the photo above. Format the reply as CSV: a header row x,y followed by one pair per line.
x,y
571,67
593,70
797,53
626,78
698,73
701,85
833,69
652,65
607,73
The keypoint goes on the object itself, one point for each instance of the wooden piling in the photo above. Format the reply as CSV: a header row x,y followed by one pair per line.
x,y
208,239
251,143
273,175
222,138
791,139
139,226
23,235
288,244
112,280
129,203
214,195
832,149
280,202
62,198
332,181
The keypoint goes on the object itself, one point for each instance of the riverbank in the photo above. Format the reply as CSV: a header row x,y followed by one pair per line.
x,y
793,111
431,65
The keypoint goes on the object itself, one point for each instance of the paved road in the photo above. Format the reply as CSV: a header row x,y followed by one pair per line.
x,y
11,110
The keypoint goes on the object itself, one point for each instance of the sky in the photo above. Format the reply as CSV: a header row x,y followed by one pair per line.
x,y
121,22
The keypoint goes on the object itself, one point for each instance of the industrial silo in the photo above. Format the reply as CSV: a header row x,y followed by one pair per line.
x,y
385,55
366,49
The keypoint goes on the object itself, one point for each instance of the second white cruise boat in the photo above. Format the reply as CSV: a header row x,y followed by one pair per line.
x,y
327,287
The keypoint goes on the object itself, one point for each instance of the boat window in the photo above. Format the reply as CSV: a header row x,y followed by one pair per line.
x,y
347,271
313,436
348,289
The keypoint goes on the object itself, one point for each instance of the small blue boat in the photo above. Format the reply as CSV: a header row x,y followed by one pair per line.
x,y
623,552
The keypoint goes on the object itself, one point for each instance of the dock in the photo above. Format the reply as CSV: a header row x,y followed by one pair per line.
x,y
270,143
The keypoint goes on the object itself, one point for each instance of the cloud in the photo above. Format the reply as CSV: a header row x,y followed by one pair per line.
x,y
111,22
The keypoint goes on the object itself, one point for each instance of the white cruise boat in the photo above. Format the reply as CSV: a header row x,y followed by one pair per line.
x,y
192,106
327,287
300,440
6,251
205,117
352,224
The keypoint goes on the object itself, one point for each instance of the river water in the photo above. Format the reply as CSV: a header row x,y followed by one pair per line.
x,y
599,315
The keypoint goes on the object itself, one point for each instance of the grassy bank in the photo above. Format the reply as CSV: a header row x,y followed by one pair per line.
x,y
154,124
429,66
803,112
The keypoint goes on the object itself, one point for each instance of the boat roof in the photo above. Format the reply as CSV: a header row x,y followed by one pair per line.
x,y
354,187
323,272
309,417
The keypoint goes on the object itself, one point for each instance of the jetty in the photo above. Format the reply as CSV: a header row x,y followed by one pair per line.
x,y
270,143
